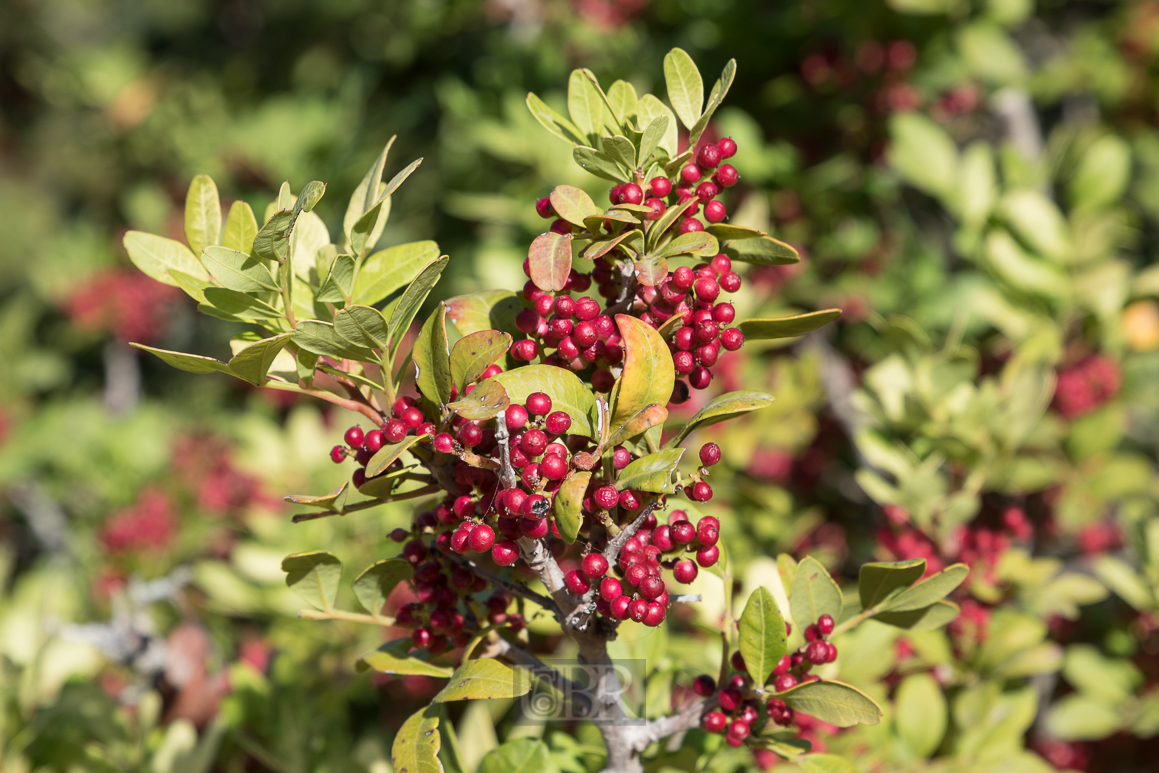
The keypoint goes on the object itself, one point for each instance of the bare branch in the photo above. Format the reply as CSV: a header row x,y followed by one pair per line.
x,y
612,551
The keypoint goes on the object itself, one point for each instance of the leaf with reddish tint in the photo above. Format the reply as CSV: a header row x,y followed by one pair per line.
x,y
572,204
484,402
641,395
651,271
474,353
567,509
550,261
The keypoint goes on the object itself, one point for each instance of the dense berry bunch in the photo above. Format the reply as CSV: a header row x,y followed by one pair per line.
x,y
1084,387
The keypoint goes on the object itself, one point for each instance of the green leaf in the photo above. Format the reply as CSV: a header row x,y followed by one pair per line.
x,y
339,282
572,204
978,188
387,455
367,230
825,763
321,338
760,251
155,255
482,679
665,222
1038,222
399,179
387,270
1113,680
585,105
726,231
253,362
432,358
653,135
333,501
392,658
1124,581
1006,258
553,121
645,385
833,702
362,326
923,153
698,244
273,239
550,261
309,196
417,743
238,271
685,86
814,594
933,588
648,110
314,576
787,327
412,299
722,408
621,150
377,581
202,214
1102,173
240,304
366,194
1080,717
192,286
623,97
567,505
652,473
878,581
600,164
568,393
921,717
191,363
485,401
598,249
933,616
474,353
715,97
485,310
762,635
521,755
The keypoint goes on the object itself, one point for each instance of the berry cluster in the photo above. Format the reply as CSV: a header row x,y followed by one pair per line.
x,y
406,419
1084,387
739,707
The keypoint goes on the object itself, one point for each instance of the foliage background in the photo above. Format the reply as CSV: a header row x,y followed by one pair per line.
x,y
975,183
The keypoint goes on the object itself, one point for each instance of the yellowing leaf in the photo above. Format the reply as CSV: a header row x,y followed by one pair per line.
x,y
646,383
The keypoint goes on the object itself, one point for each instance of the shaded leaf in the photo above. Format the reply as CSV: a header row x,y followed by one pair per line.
x,y
362,326
653,135
814,594
202,214
600,164
393,658
698,244
665,222
878,581
760,251
272,241
652,473
387,455
314,576
933,616
240,304
933,588
416,745
412,299
833,702
521,755
550,261
253,362
554,122
921,717
191,363
377,581
432,358
474,353
787,327
334,500
722,408
621,150
762,635
567,505
321,338
339,282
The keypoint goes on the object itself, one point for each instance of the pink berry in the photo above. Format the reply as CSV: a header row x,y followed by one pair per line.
x,y
738,729
825,624
709,156
714,721
683,532
611,589
784,682
595,565
707,557
706,192
660,186
557,423
606,497
444,443
621,458
576,582
727,176
690,173
544,209
338,454
727,147
732,339
685,571
690,225
631,194
538,404
723,313
730,282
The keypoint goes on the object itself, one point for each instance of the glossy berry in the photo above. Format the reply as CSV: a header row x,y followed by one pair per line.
x,y
470,435
515,417
682,532
825,624
730,698
736,660
553,467
576,582
730,282
538,404
707,290
656,614
707,557
638,610
482,538
338,454
709,156
544,209
534,442
690,225
657,206
727,176
723,313
784,682
611,589
706,192
374,440
714,721
444,443
621,458
701,492
595,565
817,652
685,571
629,501
727,147
394,431
505,552
709,454
353,436
704,685
714,212
660,186
557,423
690,173
732,339
631,194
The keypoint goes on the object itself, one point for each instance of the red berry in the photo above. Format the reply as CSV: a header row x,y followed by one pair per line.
x,y
631,194
657,206
784,682
727,176
709,454
610,589
482,538
684,339
544,209
690,225
707,557
709,156
353,436
464,507
544,304
505,552
421,638
534,441
706,290
685,571
701,492
444,443
595,565
730,282
737,662
629,501
411,417
706,192
682,532
727,147
638,610
338,454
606,497
557,423
619,606
470,434
621,458
732,339
704,685
825,624
714,721
738,729
690,173
708,354
553,467
730,698
723,313
564,306
460,540
394,431
576,582
661,186
538,404
817,652
655,614
714,211
561,227
683,363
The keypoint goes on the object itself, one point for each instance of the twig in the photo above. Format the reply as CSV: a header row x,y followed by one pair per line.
x,y
330,397
627,292
503,648
670,725
507,477
418,493
350,617
519,590
612,551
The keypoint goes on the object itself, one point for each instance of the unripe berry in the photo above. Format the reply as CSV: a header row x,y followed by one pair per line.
x,y
707,557
690,225
631,194
714,722
338,454
690,173
505,552
544,209
701,492
657,206
784,682
553,467
706,192
727,176
538,404
482,538
709,454
825,624
714,211
576,583
727,146
557,423
685,571
709,156
444,443
732,339
470,435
